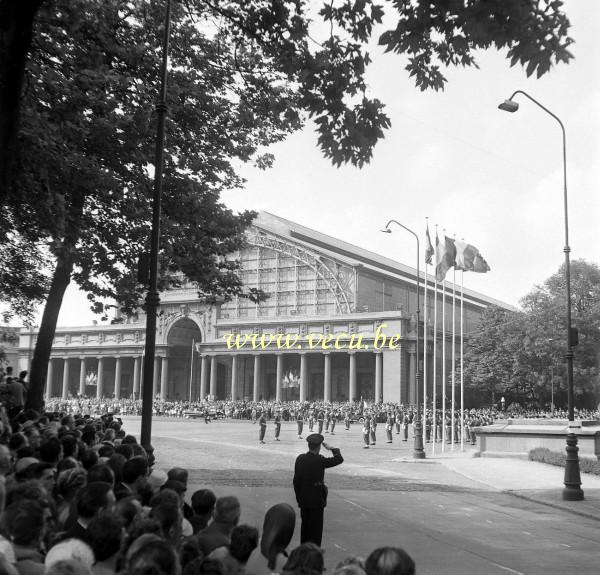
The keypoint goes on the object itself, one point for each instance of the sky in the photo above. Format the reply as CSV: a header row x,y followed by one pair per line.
x,y
483,175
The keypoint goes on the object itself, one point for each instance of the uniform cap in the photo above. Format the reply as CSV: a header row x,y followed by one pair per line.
x,y
315,439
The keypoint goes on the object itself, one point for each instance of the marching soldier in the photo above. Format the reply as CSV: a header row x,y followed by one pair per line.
x,y
347,419
389,426
311,419
320,421
262,421
366,430
300,422
277,422
405,424
327,420
373,428
428,428
398,421
334,417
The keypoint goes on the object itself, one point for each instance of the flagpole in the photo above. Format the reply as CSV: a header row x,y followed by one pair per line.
x,y
453,422
462,385
444,358
191,369
434,392
425,341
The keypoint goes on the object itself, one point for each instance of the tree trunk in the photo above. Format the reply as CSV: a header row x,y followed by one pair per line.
x,y
43,346
16,31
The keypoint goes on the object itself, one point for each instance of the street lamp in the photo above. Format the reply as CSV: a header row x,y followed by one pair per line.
x,y
152,297
572,481
418,452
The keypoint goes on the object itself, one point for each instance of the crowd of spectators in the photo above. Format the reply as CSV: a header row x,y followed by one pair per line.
x,y
79,496
288,410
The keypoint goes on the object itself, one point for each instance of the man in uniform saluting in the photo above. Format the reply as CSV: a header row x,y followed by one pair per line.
x,y
311,491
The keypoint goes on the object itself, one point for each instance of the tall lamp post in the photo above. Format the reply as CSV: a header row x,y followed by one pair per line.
x,y
572,490
418,451
152,297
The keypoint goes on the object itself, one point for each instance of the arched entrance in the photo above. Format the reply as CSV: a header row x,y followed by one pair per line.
x,y
184,367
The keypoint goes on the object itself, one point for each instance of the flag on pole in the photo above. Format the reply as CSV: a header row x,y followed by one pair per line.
x,y
428,247
445,257
469,259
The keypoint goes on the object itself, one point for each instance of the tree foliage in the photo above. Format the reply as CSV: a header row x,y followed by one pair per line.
x,y
329,73
521,354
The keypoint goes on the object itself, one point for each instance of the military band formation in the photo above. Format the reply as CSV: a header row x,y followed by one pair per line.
x,y
397,420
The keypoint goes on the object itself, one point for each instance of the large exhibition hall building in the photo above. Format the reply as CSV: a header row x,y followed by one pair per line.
x,y
338,323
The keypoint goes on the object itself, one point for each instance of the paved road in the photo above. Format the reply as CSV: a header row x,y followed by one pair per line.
x,y
449,523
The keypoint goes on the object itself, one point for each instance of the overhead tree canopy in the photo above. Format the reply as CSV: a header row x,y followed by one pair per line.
x,y
330,71
243,75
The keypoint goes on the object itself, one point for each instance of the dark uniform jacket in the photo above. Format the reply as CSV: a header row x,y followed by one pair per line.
x,y
309,473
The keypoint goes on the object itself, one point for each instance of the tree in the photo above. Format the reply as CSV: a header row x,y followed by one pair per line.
x,y
520,355
547,305
489,357
16,30
244,75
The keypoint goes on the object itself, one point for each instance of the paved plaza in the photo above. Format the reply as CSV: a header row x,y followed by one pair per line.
x,y
454,513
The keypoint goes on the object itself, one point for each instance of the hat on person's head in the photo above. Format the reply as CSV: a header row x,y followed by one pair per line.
x,y
70,549
315,439
23,463
157,479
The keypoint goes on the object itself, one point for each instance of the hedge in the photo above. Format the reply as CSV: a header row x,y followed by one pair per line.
x,y
544,455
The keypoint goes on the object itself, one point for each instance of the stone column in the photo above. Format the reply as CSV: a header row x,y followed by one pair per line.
x,y
49,379
412,375
164,378
136,377
256,382
155,376
327,376
303,377
279,377
204,377
378,377
65,382
100,386
117,378
213,375
352,376
82,373
234,375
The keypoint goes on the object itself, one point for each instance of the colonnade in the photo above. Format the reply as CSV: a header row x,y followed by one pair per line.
x,y
209,378
110,371
160,375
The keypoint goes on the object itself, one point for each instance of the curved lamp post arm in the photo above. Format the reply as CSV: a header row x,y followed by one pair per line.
x,y
564,139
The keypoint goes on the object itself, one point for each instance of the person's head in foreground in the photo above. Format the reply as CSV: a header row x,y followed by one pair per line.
x,y
389,561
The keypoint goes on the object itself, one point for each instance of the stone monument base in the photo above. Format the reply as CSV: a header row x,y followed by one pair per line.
x,y
517,437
